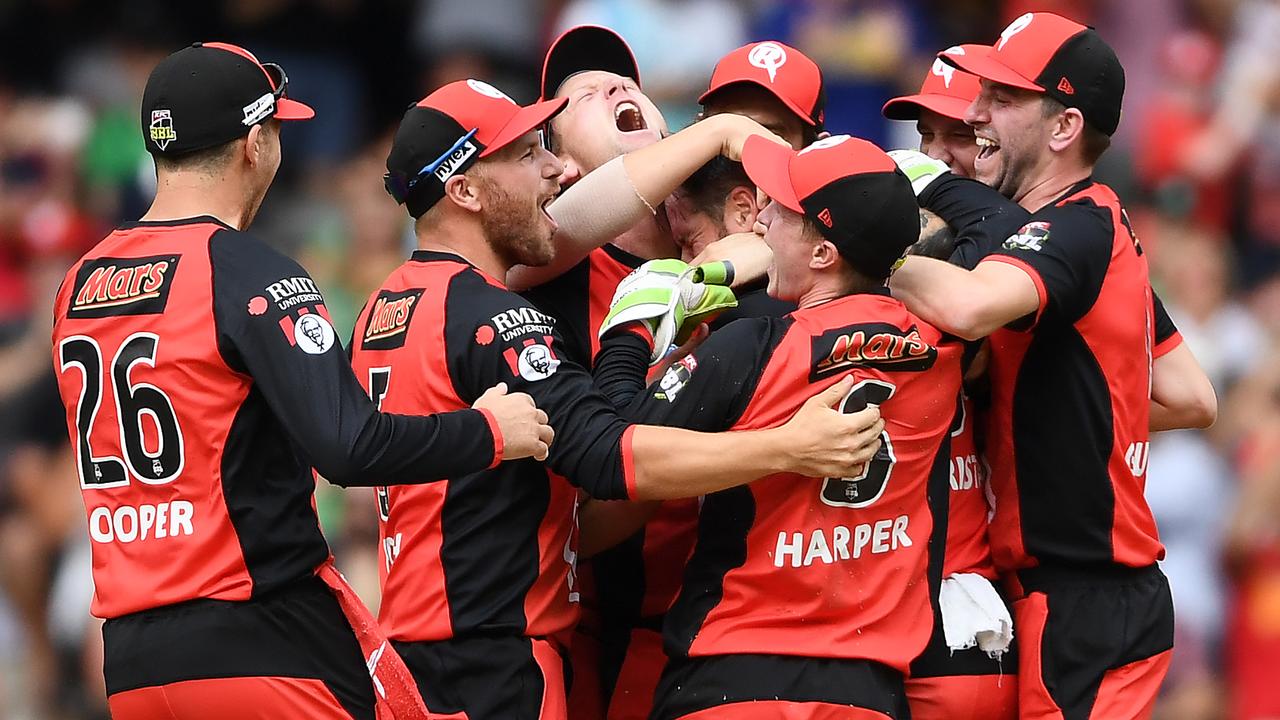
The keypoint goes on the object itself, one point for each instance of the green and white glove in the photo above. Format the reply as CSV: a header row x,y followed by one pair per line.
x,y
919,168
671,299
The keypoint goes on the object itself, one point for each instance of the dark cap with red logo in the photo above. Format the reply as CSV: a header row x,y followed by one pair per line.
x,y
849,189
584,48
1061,58
946,90
448,131
209,94
785,72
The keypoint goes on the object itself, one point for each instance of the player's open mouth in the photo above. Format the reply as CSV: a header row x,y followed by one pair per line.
x,y
987,147
546,203
628,117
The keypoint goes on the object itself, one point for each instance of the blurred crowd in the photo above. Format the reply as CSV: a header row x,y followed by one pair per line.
x,y
1197,162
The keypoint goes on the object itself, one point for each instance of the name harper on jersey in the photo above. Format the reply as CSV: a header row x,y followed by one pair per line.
x,y
294,291
522,321
841,544
110,286
129,523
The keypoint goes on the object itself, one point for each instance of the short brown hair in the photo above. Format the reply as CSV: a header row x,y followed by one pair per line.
x,y
1093,142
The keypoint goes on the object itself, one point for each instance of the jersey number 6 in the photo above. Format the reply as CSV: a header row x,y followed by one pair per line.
x,y
132,401
866,488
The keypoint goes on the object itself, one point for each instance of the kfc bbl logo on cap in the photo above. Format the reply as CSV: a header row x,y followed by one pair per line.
x,y
162,132
768,56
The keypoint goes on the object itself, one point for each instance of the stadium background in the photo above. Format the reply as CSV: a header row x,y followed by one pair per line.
x,y
1197,160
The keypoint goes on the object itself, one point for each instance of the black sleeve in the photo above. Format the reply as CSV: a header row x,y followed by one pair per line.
x,y
621,366
272,326
1166,332
1067,251
522,348
710,389
980,217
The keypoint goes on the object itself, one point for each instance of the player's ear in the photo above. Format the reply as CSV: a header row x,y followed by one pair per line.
x,y
253,147
1068,128
740,209
824,255
464,192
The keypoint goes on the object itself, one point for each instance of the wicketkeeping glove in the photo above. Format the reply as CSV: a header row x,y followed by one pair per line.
x,y
919,168
671,299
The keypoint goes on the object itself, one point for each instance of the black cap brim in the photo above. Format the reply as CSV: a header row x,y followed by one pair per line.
x,y
583,48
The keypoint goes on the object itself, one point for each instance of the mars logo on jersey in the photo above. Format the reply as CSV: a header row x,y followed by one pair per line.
x,y
388,322
878,345
108,287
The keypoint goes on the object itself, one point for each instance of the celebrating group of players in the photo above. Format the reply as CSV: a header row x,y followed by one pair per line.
x,y
891,462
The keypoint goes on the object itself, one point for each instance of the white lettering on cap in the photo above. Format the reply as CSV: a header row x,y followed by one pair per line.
x,y
1014,28
827,142
944,70
259,109
768,56
485,88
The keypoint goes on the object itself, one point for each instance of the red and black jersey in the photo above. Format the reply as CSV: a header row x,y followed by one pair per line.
x,y
579,299
815,567
491,551
1068,437
968,550
202,381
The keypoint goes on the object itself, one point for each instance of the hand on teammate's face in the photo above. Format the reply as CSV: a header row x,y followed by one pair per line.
x,y
524,428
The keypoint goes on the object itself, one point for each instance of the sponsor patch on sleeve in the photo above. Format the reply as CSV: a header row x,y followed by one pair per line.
x,y
533,359
675,378
309,329
1031,236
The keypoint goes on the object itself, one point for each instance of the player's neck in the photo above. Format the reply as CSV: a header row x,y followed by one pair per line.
x,y
647,241
1051,186
180,196
465,240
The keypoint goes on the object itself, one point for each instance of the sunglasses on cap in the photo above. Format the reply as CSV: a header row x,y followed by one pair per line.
x,y
399,184
279,79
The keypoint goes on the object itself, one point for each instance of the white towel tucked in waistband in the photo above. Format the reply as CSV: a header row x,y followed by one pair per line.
x,y
974,614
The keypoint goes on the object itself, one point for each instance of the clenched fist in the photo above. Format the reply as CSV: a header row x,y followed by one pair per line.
x,y
524,428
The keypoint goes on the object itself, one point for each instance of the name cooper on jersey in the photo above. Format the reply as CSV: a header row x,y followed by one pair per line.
x,y
129,523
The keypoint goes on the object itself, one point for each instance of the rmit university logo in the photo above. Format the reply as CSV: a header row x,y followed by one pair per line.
x,y
162,132
768,56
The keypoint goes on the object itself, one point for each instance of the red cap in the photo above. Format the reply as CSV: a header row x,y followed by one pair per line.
x,y
448,131
784,71
946,90
850,189
1061,58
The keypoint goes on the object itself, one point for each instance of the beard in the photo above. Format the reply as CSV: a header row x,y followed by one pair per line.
x,y
516,228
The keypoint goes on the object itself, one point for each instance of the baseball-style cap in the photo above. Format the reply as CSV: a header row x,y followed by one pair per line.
x,y
1061,58
849,189
583,48
781,69
448,131
212,93
946,90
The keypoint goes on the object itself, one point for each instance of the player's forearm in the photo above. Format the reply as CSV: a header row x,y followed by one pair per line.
x,y
671,463
944,295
